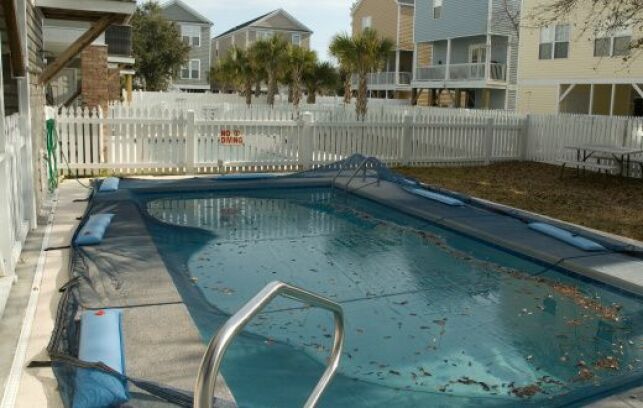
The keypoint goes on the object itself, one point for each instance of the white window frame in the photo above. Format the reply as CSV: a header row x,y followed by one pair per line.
x,y
367,22
474,47
550,32
437,9
198,68
612,37
193,33
298,37
264,34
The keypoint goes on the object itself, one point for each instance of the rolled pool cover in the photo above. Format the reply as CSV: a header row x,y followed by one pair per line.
x,y
94,229
441,198
101,340
567,237
109,185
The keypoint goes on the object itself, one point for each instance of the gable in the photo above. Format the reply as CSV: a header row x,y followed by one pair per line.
x,y
281,20
175,11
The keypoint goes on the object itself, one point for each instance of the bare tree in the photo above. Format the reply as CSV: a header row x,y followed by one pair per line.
x,y
513,14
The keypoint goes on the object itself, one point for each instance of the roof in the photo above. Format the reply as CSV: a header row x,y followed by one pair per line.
x,y
185,13
265,17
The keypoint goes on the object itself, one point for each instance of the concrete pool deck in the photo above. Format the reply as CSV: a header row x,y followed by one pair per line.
x,y
36,387
161,341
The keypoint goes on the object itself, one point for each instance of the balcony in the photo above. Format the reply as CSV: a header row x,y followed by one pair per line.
x,y
385,80
462,73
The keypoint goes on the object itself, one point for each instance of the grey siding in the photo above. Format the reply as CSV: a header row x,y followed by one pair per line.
x,y
460,18
201,53
174,12
501,21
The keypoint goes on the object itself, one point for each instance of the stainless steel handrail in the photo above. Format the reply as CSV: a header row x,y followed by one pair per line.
x,y
211,363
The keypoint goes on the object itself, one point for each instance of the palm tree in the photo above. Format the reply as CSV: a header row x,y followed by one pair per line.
x,y
341,48
363,54
300,60
322,77
238,69
271,55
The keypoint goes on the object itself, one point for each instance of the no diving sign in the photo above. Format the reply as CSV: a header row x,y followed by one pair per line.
x,y
231,137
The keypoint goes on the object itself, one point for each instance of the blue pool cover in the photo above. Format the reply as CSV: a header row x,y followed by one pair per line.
x,y
433,318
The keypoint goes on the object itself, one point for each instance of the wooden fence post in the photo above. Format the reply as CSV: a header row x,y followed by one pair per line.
x,y
406,146
524,138
306,143
190,142
488,140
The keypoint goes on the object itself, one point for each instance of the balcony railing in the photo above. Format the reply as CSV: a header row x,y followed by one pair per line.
x,y
463,72
385,79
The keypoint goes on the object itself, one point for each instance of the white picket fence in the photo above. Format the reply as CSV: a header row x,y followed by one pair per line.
x,y
16,193
161,139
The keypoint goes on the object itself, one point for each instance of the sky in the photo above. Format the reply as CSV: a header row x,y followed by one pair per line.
x,y
324,17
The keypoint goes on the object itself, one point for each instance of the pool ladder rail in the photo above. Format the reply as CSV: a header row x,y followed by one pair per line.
x,y
211,363
363,166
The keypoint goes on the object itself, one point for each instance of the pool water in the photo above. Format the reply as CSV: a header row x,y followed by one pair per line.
x,y
433,318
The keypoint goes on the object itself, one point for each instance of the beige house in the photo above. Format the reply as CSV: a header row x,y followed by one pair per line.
x,y
277,22
562,69
393,19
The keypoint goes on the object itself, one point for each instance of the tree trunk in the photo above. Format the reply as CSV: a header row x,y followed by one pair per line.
x,y
312,97
362,99
290,94
258,88
248,92
296,90
347,89
271,89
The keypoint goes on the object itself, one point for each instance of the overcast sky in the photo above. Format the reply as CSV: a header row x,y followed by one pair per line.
x,y
324,17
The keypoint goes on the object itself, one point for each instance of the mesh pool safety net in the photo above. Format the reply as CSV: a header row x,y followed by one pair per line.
x,y
433,317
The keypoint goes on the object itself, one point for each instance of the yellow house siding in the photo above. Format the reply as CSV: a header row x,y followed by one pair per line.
x,y
425,55
383,14
538,99
406,28
581,63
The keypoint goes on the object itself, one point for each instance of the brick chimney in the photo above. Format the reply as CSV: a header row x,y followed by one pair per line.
x,y
95,78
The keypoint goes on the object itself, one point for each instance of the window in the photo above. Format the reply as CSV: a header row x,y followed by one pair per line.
x,y
437,9
191,35
367,22
195,68
296,39
192,70
615,45
554,42
264,35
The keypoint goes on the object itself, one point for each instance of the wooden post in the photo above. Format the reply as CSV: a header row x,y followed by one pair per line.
x,y
306,142
447,74
406,143
486,96
190,143
128,80
77,46
488,140
591,99
18,66
524,138
612,99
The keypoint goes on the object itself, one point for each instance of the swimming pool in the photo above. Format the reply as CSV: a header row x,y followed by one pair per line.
x,y
433,317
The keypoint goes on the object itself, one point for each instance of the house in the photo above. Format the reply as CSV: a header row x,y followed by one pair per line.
x,y
563,69
466,53
94,76
393,19
277,22
195,30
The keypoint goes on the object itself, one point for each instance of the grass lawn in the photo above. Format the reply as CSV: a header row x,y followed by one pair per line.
x,y
610,204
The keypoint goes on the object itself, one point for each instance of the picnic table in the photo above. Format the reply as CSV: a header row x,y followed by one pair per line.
x,y
619,154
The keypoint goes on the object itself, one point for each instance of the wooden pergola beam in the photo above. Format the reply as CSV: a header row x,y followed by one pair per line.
x,y
18,68
77,46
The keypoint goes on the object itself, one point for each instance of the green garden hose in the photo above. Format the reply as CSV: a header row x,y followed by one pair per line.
x,y
52,160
